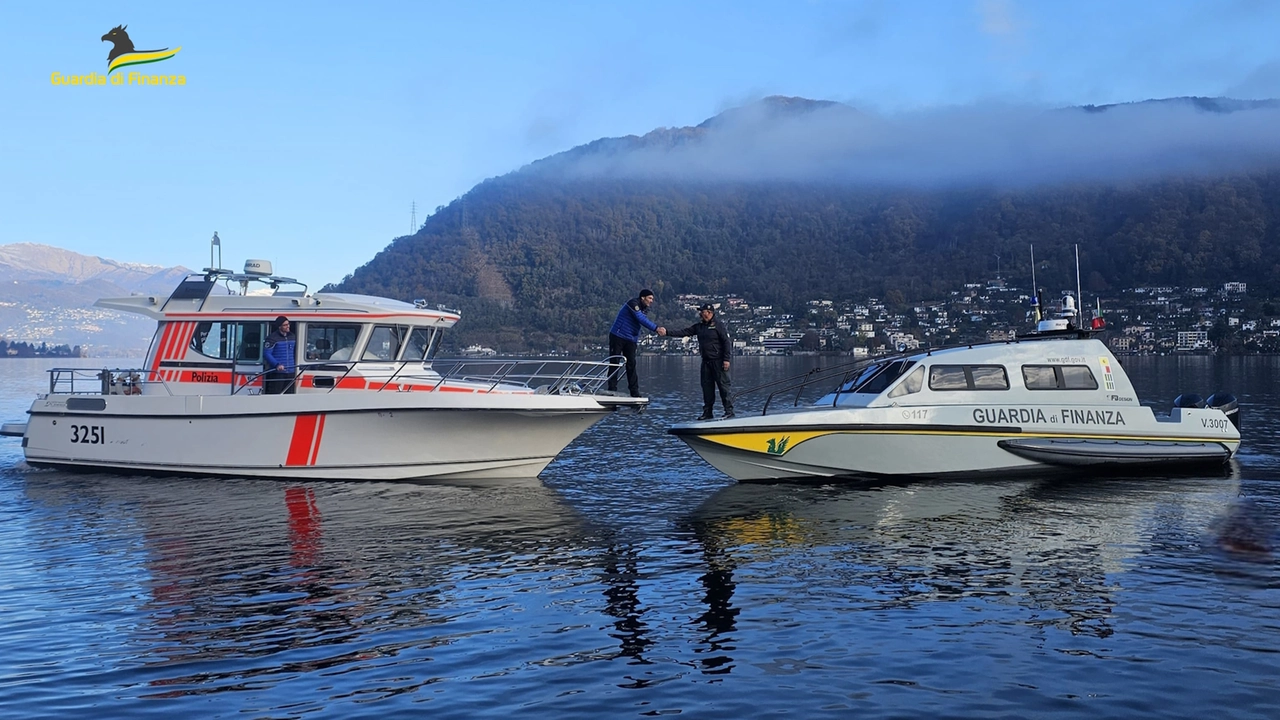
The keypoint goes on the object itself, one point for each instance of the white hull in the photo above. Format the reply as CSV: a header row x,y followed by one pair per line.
x,y
328,386
336,436
987,410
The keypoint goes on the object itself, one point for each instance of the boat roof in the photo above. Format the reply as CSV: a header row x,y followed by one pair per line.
x,y
194,300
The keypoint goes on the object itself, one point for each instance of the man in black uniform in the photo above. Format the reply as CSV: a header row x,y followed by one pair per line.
x,y
716,348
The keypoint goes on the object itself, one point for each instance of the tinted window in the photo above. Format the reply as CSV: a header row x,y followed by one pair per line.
x,y
1059,377
912,384
989,377
947,377
197,289
1078,377
883,379
876,378
1039,377
866,374
968,377
249,337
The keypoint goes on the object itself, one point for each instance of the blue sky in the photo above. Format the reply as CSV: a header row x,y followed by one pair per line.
x,y
305,130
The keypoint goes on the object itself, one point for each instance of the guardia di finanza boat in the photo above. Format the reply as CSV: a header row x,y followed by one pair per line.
x,y
1054,400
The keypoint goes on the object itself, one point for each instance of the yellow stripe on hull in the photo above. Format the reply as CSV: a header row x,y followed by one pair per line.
x,y
780,443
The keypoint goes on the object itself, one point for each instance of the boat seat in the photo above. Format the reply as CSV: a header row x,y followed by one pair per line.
x,y
321,350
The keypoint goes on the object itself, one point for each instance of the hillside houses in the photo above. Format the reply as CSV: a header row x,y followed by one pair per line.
x,y
1145,320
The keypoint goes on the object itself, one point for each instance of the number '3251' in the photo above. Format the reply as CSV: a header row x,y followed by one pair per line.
x,y
89,434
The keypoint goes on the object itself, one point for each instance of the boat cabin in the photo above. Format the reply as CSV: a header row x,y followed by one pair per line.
x,y
1060,371
211,331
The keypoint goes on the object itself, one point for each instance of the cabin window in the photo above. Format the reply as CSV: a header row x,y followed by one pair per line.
x,y
989,377
213,339
911,385
331,341
876,378
421,344
1059,377
968,377
241,341
384,343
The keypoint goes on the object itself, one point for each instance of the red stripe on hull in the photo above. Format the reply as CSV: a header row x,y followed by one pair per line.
x,y
164,342
315,447
304,434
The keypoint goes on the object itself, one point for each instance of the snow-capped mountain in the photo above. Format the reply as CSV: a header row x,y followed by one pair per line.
x,y
47,295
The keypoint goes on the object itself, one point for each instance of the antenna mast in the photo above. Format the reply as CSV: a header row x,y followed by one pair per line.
x,y
1033,269
1079,297
215,243
1035,294
413,218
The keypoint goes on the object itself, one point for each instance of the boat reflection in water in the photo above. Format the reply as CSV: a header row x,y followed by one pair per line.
x,y
1052,553
314,576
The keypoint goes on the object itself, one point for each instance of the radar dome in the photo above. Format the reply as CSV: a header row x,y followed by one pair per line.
x,y
257,267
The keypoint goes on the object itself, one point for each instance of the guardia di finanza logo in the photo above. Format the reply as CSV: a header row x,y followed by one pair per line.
x,y
123,54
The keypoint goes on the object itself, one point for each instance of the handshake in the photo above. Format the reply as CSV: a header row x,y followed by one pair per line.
x,y
662,331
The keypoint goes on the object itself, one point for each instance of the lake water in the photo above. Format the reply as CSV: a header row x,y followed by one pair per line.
x,y
634,580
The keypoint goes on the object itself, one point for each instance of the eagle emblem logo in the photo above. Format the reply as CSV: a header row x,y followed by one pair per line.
x,y
123,54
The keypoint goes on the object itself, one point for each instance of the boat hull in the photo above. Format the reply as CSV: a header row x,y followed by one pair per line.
x,y
862,454
406,436
866,443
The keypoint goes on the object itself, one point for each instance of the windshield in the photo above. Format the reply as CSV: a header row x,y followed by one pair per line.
x,y
877,377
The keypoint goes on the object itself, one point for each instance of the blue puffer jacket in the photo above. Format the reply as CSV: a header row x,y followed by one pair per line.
x,y
279,349
630,319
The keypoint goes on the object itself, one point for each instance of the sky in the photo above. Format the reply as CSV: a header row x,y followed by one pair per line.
x,y
305,132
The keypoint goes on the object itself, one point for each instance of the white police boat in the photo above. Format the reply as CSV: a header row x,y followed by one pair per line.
x,y
371,402
1055,399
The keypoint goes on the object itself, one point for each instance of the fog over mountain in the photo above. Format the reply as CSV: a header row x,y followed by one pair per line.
x,y
995,145
47,295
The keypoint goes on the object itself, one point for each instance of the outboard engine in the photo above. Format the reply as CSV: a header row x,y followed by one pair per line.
x,y
1226,402
1188,400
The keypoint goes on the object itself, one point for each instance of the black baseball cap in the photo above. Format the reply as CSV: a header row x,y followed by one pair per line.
x,y
706,307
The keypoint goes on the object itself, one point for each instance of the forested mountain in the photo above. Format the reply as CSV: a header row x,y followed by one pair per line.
x,y
791,200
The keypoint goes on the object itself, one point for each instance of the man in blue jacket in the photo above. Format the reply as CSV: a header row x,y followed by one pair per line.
x,y
624,337
278,353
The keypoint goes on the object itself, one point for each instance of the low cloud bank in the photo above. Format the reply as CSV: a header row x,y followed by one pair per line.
x,y
791,139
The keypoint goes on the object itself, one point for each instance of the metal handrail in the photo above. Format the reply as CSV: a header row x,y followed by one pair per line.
x,y
845,371
555,377
104,381
567,377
